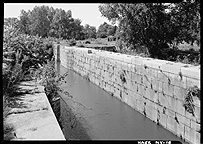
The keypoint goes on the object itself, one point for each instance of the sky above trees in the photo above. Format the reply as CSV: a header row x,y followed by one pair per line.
x,y
87,12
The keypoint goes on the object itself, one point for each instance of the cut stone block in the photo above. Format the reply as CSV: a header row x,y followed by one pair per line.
x,y
191,117
128,84
162,76
180,130
193,82
196,101
142,90
150,103
131,67
118,57
168,89
197,113
196,139
130,101
155,84
148,62
139,69
134,86
147,81
177,80
156,64
160,88
171,103
140,105
107,87
172,125
138,96
148,92
192,72
134,76
163,100
139,79
171,67
179,107
196,126
124,66
136,60
187,133
151,113
180,93
127,59
116,92
154,96
153,73
170,113
163,120
158,107
134,102
112,88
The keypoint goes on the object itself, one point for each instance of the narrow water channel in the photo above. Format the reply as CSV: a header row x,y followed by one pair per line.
x,y
102,116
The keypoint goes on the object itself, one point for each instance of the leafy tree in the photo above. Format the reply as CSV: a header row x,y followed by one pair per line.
x,y
77,32
47,21
102,30
111,30
11,24
105,30
186,16
39,22
138,23
149,24
90,31
24,22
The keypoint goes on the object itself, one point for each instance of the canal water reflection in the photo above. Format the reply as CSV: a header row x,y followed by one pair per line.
x,y
102,116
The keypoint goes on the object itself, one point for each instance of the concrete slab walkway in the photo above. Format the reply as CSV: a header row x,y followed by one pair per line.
x,y
32,115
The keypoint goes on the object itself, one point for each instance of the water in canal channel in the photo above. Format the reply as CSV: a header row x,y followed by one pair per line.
x,y
96,115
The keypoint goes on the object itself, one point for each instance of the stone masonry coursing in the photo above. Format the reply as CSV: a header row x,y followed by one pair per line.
x,y
155,88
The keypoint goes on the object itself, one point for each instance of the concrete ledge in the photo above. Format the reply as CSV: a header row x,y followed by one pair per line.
x,y
32,115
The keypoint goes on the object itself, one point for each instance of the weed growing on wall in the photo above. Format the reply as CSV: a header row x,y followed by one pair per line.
x,y
188,103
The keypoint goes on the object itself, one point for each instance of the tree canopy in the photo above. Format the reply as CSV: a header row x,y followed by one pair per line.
x,y
155,25
46,21
105,30
90,31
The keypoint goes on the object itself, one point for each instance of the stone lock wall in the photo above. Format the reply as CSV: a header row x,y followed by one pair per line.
x,y
155,88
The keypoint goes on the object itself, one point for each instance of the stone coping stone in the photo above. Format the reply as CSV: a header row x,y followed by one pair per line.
x,y
164,65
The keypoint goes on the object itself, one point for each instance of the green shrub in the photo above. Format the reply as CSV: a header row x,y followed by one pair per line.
x,y
11,77
72,42
51,80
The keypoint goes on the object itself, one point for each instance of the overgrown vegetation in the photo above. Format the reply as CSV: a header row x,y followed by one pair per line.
x,y
21,55
51,80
